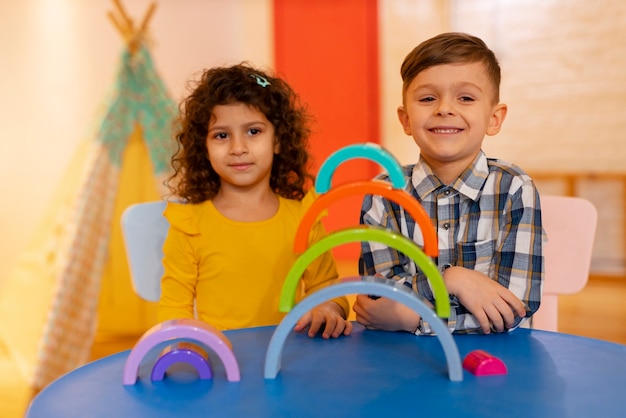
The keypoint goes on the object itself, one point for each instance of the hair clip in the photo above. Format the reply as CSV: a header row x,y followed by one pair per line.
x,y
260,80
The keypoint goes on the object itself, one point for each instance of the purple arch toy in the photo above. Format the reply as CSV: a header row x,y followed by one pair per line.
x,y
188,329
182,352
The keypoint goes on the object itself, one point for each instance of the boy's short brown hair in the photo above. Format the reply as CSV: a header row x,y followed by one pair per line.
x,y
450,48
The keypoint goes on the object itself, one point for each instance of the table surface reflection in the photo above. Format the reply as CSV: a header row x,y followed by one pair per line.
x,y
368,374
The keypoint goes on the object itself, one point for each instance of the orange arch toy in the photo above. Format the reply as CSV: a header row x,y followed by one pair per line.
x,y
374,187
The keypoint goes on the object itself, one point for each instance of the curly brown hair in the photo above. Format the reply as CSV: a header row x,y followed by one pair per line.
x,y
194,180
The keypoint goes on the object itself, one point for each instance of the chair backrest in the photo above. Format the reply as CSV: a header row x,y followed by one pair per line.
x,y
570,223
144,230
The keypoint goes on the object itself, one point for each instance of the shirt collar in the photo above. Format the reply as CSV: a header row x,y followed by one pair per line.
x,y
469,183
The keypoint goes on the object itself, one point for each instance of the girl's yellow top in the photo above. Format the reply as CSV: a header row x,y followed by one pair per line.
x,y
235,270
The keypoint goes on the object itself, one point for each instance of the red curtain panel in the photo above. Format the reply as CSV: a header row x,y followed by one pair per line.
x,y
328,51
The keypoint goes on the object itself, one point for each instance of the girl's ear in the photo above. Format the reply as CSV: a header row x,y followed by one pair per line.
x,y
496,119
276,146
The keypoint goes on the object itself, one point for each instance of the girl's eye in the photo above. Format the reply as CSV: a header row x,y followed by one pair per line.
x,y
254,131
221,135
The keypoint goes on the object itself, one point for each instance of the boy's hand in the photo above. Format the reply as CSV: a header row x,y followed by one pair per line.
x,y
492,304
385,314
329,316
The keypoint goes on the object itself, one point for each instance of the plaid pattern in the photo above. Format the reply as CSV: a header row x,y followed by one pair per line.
x,y
489,220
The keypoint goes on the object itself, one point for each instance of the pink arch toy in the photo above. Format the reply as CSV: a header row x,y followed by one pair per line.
x,y
189,329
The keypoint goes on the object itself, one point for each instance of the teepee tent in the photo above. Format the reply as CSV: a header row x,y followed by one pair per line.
x,y
49,306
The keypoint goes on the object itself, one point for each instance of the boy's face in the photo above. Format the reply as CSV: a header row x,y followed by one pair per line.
x,y
448,109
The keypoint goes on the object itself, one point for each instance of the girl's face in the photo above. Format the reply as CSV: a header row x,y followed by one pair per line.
x,y
241,146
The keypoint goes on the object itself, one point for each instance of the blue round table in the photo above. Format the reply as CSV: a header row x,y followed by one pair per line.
x,y
368,374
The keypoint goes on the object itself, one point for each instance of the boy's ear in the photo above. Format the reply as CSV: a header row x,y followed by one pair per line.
x,y
404,120
497,118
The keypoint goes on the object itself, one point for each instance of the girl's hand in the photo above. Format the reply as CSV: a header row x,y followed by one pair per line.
x,y
329,316
493,305
385,314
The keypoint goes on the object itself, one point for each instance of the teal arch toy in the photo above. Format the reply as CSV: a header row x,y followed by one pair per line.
x,y
371,151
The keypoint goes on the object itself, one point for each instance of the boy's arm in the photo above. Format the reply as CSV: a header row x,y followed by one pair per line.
x,y
515,267
380,260
518,261
377,258
487,305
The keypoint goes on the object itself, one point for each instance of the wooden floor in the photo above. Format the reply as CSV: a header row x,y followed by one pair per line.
x,y
598,311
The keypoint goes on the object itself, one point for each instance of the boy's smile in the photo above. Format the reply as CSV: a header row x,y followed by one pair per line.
x,y
448,109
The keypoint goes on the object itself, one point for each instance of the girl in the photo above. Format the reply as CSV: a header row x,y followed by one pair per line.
x,y
240,173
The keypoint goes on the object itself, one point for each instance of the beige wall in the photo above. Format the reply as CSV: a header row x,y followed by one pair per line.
x,y
563,61
563,68
58,61
564,79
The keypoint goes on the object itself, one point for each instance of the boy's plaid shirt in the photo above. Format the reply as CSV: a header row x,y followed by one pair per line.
x,y
489,220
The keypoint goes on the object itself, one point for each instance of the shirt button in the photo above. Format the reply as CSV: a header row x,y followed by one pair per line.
x,y
447,192
446,226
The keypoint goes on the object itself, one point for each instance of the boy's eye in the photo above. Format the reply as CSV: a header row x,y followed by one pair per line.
x,y
427,99
467,99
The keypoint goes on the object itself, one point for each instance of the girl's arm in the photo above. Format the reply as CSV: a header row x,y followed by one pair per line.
x,y
179,277
331,316
322,272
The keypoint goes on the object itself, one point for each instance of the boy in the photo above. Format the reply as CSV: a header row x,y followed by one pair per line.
x,y
486,211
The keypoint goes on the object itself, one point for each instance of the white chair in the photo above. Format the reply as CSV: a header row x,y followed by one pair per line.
x,y
144,229
570,223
